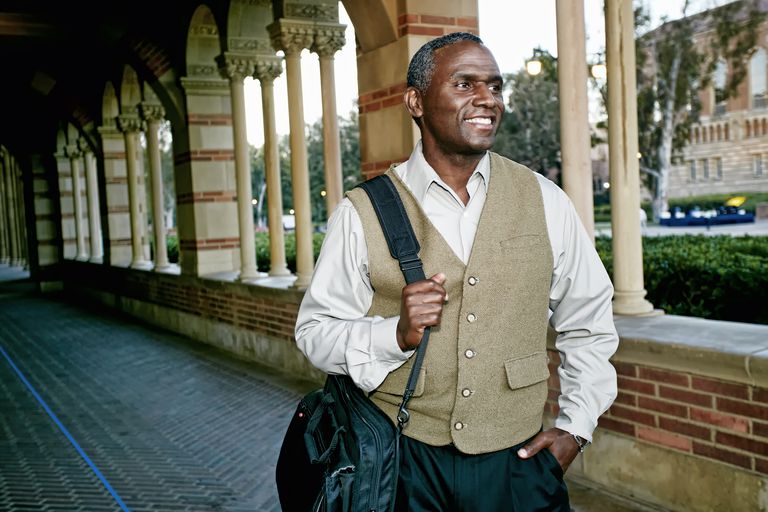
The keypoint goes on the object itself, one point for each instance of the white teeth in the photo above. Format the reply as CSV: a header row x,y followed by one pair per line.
x,y
479,120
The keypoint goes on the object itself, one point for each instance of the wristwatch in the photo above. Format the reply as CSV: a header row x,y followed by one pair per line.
x,y
583,443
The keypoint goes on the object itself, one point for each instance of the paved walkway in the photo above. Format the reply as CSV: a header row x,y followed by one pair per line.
x,y
170,424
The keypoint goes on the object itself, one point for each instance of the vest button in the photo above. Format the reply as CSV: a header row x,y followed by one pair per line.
x,y
466,392
469,353
472,280
458,425
471,317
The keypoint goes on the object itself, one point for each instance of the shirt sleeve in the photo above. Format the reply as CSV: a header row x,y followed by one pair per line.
x,y
332,327
582,315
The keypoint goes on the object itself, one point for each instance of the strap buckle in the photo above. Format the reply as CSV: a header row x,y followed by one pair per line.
x,y
410,262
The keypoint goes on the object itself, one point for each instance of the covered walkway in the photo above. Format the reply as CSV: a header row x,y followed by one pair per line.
x,y
170,423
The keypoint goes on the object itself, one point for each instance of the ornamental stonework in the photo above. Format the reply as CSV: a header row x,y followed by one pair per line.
x,y
235,67
250,45
267,69
312,11
201,70
72,151
128,123
328,40
151,112
291,36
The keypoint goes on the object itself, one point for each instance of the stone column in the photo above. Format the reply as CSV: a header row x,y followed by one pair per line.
x,y
74,154
92,195
574,122
327,41
10,204
153,115
292,37
5,256
267,69
235,68
130,125
629,298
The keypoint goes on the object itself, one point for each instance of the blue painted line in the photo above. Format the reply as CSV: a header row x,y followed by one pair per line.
x,y
65,431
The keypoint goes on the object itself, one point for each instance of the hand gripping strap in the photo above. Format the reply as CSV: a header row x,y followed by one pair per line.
x,y
404,247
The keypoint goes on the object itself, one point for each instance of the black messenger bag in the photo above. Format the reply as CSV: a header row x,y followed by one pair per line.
x,y
341,452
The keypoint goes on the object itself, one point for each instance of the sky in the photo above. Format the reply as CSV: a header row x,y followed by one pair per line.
x,y
510,28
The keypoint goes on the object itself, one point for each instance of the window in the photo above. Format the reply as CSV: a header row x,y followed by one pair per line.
x,y
705,169
757,165
720,80
758,80
693,170
718,168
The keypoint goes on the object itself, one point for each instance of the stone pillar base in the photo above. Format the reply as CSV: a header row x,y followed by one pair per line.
x,y
633,303
279,272
141,265
96,259
252,278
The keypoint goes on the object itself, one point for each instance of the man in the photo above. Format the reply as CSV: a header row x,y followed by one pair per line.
x,y
507,255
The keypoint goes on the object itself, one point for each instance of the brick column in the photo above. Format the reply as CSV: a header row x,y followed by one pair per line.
x,y
118,218
205,186
291,37
153,115
235,67
327,41
12,212
48,233
267,69
21,217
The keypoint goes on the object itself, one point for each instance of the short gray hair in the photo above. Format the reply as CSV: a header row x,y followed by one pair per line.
x,y
422,65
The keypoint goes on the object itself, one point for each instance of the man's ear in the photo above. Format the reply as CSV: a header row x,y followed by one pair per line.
x,y
413,102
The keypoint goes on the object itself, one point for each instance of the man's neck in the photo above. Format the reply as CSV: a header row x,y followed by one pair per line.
x,y
455,170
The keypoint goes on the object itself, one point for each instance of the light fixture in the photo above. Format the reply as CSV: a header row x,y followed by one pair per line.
x,y
254,201
606,185
291,211
322,193
599,71
533,67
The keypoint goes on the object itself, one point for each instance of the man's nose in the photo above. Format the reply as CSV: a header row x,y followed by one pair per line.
x,y
485,96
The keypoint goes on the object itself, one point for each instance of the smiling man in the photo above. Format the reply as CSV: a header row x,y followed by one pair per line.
x,y
507,256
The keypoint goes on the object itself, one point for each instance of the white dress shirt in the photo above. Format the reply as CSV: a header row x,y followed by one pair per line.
x,y
333,331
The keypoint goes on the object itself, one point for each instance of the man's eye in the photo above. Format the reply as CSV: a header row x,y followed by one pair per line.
x,y
495,88
463,85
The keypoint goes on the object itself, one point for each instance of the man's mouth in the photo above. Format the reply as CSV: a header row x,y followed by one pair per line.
x,y
481,121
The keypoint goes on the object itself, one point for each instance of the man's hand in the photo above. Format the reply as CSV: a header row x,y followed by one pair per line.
x,y
421,306
561,443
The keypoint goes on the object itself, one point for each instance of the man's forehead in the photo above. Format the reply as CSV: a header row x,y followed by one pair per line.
x,y
479,59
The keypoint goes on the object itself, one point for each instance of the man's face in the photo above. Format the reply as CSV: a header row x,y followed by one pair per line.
x,y
462,108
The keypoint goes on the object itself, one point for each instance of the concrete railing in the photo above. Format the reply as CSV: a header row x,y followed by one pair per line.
x,y
688,431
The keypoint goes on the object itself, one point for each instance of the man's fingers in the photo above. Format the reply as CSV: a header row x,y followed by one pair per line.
x,y
536,444
439,278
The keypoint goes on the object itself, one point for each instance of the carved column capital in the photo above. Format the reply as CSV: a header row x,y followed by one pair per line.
x,y
151,112
72,151
82,144
328,39
291,36
268,68
235,66
128,123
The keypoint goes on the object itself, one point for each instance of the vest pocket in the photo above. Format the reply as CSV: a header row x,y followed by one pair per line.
x,y
522,241
526,371
395,382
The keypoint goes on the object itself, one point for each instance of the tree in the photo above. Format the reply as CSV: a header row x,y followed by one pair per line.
x,y
349,140
675,64
530,130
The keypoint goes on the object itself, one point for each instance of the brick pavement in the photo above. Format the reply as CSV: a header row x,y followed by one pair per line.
x,y
173,424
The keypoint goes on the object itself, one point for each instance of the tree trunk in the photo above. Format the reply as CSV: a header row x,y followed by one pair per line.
x,y
661,202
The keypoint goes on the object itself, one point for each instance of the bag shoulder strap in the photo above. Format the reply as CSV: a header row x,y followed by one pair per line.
x,y
404,247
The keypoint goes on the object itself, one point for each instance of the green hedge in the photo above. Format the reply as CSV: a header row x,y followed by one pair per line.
x,y
718,277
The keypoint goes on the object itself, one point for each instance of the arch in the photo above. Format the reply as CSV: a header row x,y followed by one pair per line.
x,y
704,134
758,78
247,26
375,22
130,90
726,134
719,133
203,44
711,133
755,128
764,126
696,135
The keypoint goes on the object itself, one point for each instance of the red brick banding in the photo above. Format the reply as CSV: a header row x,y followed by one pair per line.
x,y
214,196
434,25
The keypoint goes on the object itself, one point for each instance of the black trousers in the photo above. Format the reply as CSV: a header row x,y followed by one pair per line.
x,y
441,478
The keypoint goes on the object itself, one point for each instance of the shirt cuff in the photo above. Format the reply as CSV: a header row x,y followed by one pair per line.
x,y
384,342
582,427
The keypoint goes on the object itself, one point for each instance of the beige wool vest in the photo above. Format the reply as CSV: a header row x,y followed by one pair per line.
x,y
483,383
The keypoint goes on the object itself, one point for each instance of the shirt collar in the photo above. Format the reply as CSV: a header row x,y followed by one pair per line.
x,y
419,175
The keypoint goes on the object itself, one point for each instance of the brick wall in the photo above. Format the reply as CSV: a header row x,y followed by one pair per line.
x,y
714,419
266,311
